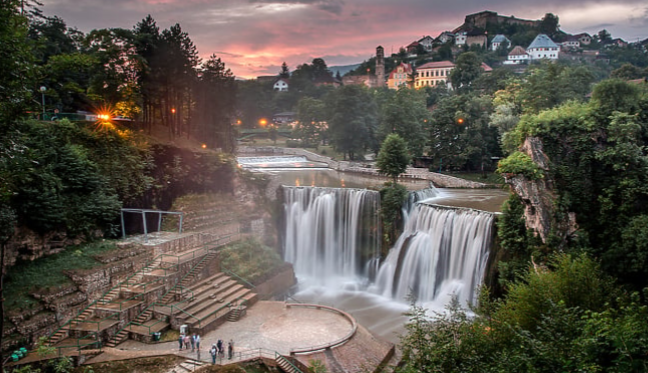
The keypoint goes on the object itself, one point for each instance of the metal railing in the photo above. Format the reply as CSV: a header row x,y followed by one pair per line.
x,y
338,342
280,357
232,274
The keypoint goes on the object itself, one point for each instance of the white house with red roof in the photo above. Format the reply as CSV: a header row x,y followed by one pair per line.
x,y
517,56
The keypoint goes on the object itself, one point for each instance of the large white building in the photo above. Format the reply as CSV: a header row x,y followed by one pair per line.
x,y
433,74
543,47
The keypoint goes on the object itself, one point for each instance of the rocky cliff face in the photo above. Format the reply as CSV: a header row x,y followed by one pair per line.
x,y
539,196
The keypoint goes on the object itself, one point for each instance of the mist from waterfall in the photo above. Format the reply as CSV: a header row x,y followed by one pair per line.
x,y
331,234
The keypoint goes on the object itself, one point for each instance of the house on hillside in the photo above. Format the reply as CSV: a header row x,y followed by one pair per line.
x,y
426,42
571,42
433,74
584,38
412,49
500,40
445,37
543,47
460,38
517,56
615,43
400,76
281,85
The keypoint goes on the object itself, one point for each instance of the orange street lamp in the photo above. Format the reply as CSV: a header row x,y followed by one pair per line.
x,y
460,120
173,110
263,122
204,146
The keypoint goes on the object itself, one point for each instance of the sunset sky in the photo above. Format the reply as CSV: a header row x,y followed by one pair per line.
x,y
254,37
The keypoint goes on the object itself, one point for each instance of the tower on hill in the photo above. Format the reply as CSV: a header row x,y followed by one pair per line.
x,y
380,67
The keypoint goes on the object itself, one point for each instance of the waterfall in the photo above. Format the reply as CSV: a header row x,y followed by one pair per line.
x,y
418,196
331,233
442,253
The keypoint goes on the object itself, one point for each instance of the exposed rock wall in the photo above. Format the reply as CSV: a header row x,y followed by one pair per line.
x,y
538,195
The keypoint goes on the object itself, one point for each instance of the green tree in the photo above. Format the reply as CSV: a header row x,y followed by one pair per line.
x,y
628,72
311,115
393,157
549,25
467,69
406,114
215,103
16,71
352,120
285,72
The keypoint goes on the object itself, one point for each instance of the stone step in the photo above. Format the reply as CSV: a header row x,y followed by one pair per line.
x,y
285,366
208,298
216,311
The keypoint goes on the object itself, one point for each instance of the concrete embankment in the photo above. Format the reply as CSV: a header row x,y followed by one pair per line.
x,y
439,180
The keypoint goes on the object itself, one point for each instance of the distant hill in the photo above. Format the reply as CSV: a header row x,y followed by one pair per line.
x,y
343,69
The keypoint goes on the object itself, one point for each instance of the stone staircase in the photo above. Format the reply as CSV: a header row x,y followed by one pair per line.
x,y
236,313
123,334
63,333
213,299
189,365
189,279
285,365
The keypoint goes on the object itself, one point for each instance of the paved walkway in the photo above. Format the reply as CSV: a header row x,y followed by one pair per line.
x,y
268,325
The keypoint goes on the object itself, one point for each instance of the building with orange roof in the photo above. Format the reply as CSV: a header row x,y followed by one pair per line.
x,y
400,76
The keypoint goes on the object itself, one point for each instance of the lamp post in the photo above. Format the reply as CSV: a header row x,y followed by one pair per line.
x,y
43,89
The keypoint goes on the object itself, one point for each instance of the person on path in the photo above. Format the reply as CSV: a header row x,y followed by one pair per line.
x,y
213,353
221,349
230,349
187,338
193,342
180,340
197,339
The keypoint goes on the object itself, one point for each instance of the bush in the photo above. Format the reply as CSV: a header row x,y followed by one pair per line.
x,y
519,163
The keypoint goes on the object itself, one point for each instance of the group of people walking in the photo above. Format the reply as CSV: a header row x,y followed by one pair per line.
x,y
218,350
189,340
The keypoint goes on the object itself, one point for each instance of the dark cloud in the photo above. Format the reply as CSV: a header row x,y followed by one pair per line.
x,y
332,6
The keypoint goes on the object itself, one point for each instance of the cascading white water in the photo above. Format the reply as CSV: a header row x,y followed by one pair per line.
x,y
330,233
442,253
418,196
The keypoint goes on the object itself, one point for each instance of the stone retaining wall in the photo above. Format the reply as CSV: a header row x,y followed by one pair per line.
x,y
439,180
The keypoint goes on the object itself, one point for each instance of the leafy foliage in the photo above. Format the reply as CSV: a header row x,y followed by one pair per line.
x,y
393,157
352,120
392,197
520,163
251,260
405,113
561,318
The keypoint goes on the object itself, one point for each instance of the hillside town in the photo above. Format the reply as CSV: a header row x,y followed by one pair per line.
x,y
502,40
